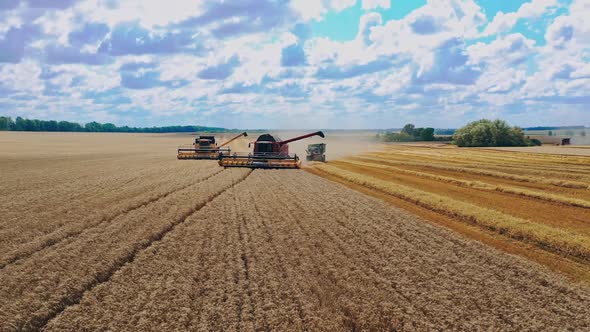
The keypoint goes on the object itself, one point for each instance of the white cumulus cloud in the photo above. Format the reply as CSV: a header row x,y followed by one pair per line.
x,y
372,4
504,22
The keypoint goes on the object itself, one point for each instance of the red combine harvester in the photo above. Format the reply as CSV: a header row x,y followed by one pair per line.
x,y
269,152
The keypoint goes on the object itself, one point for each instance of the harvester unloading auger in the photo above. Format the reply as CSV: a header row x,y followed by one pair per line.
x,y
205,147
269,152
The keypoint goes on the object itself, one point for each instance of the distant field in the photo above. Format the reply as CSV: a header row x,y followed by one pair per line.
x,y
110,232
541,200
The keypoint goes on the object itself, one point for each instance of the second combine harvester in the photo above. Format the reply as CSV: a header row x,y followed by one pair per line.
x,y
269,152
205,147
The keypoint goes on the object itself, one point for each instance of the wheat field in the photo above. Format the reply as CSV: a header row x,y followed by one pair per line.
x,y
111,232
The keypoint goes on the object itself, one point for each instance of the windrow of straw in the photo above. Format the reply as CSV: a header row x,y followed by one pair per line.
x,y
580,173
542,235
483,186
493,156
478,171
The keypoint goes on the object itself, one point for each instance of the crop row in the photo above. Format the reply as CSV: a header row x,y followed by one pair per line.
x,y
286,250
553,214
491,155
39,287
69,195
38,230
542,235
467,159
541,195
484,170
49,172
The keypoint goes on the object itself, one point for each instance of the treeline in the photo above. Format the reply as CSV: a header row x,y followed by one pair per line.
x,y
410,133
480,133
21,124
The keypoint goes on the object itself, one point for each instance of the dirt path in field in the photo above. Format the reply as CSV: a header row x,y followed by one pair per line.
x,y
288,250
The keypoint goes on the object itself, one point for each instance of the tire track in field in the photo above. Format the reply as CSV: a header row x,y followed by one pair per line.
x,y
216,306
203,259
250,256
258,296
128,259
62,209
244,238
292,240
48,241
217,302
29,301
209,257
282,265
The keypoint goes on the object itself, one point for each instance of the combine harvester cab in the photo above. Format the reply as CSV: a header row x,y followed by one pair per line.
x,y
205,147
269,152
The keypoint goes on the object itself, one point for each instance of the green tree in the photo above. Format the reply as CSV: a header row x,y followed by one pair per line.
x,y
31,125
489,133
409,129
93,126
6,123
427,134
109,127
19,124
51,125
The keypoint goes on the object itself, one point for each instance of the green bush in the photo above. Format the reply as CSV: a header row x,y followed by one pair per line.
x,y
408,134
489,133
533,142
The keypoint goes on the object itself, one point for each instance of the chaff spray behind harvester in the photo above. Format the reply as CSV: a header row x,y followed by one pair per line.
x,y
269,152
205,147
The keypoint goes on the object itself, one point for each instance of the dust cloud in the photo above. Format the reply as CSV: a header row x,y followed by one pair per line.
x,y
339,143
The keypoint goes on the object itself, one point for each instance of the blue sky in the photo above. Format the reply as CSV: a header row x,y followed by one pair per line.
x,y
349,64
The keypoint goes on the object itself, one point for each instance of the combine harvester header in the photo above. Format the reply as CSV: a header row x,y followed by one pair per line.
x,y
269,152
205,147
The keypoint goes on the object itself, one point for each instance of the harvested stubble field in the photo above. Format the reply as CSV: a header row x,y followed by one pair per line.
x,y
537,205
125,237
